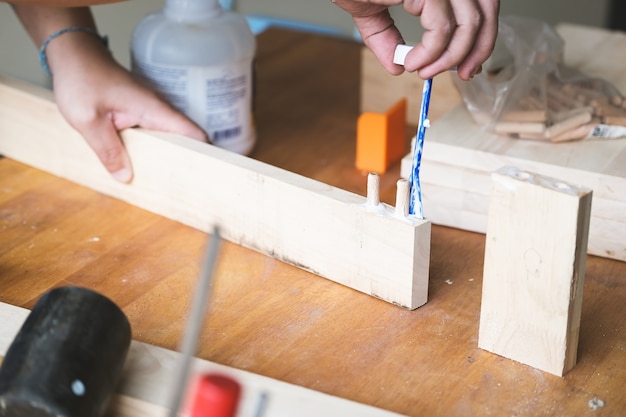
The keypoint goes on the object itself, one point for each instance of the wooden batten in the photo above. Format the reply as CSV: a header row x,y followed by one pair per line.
x,y
322,229
534,269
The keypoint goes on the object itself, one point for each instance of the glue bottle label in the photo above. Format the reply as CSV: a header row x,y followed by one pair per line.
x,y
218,98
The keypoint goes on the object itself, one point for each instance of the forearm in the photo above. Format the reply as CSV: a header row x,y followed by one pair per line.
x,y
68,51
42,21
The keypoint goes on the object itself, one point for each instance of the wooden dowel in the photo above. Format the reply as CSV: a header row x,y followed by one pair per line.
x,y
373,189
402,198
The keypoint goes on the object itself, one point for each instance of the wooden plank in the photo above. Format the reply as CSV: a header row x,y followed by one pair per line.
x,y
534,269
319,228
145,384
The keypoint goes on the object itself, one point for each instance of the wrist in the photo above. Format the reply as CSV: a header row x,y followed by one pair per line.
x,y
70,40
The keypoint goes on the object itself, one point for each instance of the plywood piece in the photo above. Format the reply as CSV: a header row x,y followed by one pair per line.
x,y
534,269
145,386
319,228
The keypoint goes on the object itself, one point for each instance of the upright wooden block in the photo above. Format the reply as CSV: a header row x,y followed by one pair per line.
x,y
534,269
381,138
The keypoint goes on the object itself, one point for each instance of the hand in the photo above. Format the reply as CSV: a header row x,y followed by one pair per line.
x,y
99,98
94,93
458,33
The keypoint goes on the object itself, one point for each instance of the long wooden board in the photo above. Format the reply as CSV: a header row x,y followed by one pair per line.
x,y
145,385
322,229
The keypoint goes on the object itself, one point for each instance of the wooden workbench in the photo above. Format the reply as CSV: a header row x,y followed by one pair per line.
x,y
276,320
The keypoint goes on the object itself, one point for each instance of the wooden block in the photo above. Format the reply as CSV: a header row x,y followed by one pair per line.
x,y
146,383
306,223
381,138
534,269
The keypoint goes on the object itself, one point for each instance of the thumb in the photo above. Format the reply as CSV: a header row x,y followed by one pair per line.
x,y
104,139
381,36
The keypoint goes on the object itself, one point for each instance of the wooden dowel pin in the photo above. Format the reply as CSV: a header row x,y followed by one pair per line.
x,y
402,198
373,189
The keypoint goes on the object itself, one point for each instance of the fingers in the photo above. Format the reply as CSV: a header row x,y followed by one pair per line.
x,y
485,40
439,22
459,33
158,115
133,107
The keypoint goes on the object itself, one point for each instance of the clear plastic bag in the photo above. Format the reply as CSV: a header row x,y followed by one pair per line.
x,y
526,91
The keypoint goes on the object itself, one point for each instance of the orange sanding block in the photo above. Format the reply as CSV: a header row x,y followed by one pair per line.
x,y
381,138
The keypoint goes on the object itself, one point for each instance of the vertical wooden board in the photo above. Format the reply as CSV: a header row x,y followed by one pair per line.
x,y
534,269
304,222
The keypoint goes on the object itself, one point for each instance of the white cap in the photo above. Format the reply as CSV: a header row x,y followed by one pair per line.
x,y
195,9
400,54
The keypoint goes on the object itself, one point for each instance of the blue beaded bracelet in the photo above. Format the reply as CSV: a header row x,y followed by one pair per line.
x,y
43,60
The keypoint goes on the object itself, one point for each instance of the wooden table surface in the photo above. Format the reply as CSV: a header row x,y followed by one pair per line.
x,y
274,319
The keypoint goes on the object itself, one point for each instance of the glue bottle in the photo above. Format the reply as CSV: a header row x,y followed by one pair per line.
x,y
199,57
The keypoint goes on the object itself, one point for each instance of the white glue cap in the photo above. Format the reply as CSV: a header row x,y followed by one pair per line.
x,y
400,53
191,9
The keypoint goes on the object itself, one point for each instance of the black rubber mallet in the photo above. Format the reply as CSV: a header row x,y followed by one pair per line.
x,y
67,357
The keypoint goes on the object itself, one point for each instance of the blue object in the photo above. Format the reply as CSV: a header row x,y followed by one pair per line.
x,y
415,196
259,23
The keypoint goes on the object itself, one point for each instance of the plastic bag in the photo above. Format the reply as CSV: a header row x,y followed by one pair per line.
x,y
526,91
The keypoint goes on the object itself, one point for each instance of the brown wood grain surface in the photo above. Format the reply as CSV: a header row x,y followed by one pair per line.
x,y
274,319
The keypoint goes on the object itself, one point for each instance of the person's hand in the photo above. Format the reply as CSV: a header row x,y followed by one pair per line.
x,y
99,98
458,33
96,95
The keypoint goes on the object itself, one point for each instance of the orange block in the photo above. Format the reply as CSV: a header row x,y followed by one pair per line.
x,y
381,138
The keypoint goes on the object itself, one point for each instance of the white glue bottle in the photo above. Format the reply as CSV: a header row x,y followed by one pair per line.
x,y
199,57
